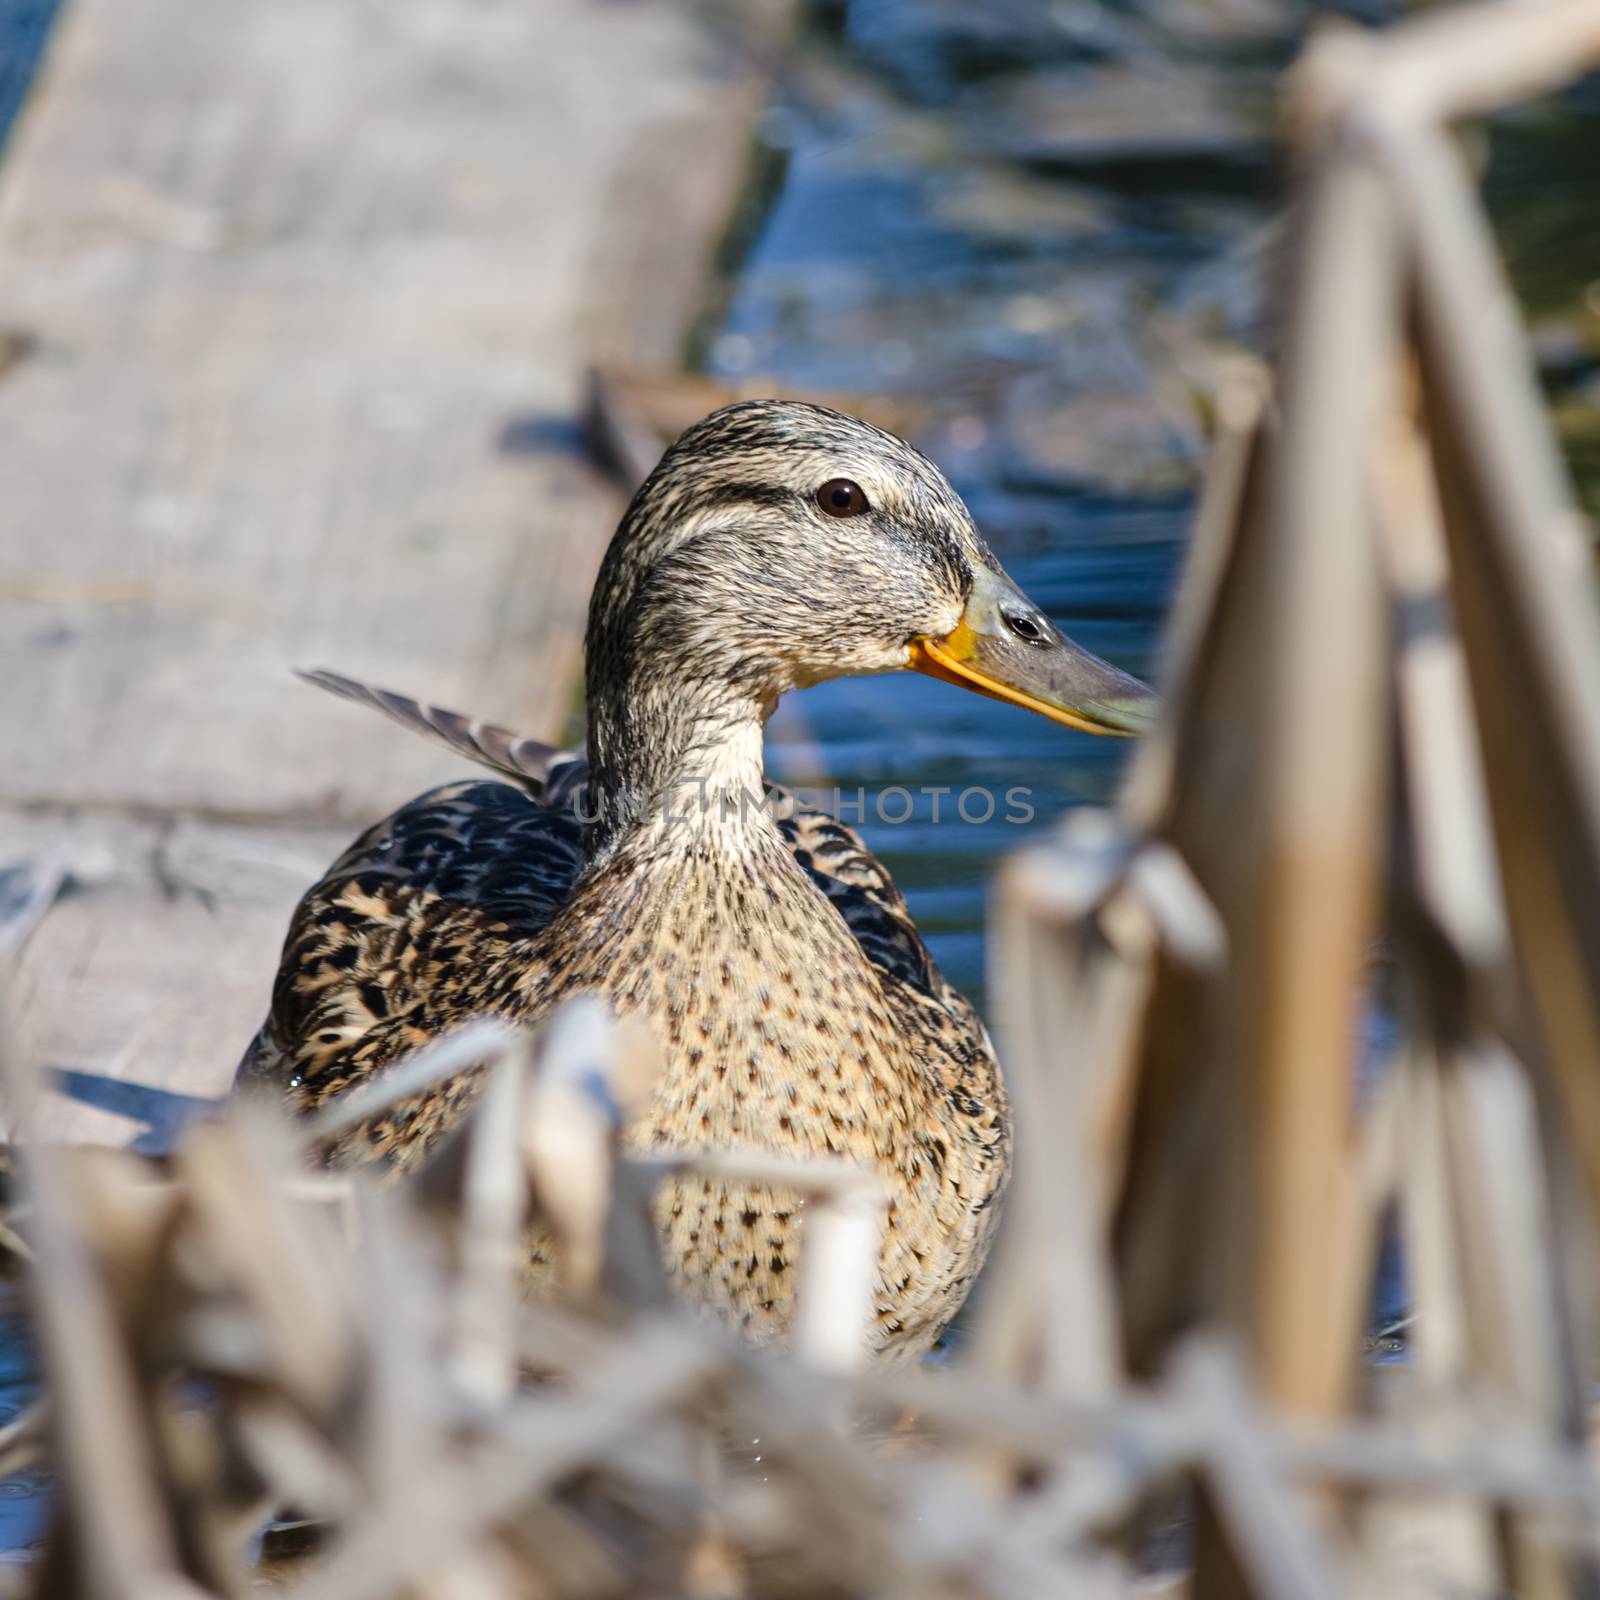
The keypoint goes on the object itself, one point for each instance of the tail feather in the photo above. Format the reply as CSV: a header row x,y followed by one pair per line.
x,y
527,761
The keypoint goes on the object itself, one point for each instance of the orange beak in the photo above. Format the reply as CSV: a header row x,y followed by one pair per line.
x,y
1006,648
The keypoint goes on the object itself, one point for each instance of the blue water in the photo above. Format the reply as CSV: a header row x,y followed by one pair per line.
x,y
24,1497
24,31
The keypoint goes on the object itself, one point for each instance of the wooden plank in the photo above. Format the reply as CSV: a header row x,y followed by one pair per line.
x,y
312,289
293,274
145,981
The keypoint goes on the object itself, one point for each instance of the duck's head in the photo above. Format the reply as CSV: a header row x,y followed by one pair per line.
x,y
779,544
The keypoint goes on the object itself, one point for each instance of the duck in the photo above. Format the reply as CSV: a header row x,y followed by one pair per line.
x,y
795,1009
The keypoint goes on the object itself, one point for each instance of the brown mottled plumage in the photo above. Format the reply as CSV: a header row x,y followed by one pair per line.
x,y
796,1007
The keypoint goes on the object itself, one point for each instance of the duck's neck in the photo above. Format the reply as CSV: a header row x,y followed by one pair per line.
x,y
670,762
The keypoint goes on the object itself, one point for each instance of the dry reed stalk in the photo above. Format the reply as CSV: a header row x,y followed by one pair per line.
x,y
1311,905
1242,402
1049,1313
1278,1547
1172,1193
1451,1235
1445,65
1449,838
1530,632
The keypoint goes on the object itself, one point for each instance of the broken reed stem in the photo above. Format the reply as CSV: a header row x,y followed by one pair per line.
x,y
538,1442
494,1205
1269,1529
1528,618
1154,1433
1445,65
1242,402
1448,828
835,1299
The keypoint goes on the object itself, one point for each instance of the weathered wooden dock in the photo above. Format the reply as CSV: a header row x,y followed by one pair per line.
x,y
307,293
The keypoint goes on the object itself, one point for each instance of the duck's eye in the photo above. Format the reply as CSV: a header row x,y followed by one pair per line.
x,y
1024,626
839,497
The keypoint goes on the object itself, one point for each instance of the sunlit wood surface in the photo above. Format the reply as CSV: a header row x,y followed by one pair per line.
x,y
307,292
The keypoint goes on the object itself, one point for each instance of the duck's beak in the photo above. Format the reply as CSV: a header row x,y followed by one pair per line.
x,y
1046,672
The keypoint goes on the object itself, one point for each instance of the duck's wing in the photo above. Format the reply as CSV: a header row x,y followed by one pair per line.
x,y
414,926
525,761
423,923
837,860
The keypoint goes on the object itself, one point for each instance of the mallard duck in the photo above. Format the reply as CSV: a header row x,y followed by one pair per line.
x,y
796,1009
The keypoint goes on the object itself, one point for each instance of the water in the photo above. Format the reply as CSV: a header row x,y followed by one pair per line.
x,y
1033,226
25,1496
1031,282
24,29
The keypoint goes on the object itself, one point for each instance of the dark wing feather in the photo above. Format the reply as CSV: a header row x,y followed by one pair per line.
x,y
861,890
406,933
838,861
526,761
